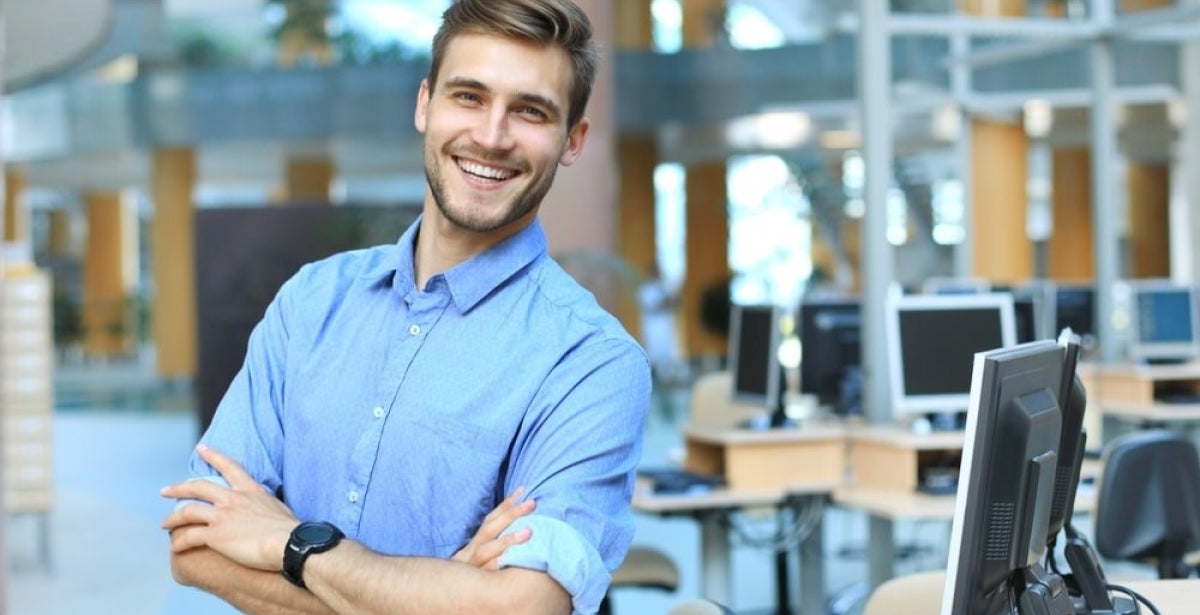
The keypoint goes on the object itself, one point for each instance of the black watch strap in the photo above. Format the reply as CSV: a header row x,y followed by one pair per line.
x,y
308,538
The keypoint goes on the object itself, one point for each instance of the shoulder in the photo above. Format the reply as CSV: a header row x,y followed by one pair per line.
x,y
575,307
331,279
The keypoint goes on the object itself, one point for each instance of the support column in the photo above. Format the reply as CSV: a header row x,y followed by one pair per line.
x,y
1001,249
1149,204
1188,265
707,227
16,239
707,255
1069,250
110,275
1103,133
173,177
61,242
309,180
637,156
877,265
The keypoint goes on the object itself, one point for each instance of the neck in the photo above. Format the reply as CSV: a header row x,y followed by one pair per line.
x,y
441,244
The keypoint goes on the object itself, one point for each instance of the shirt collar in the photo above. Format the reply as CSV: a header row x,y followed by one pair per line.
x,y
472,280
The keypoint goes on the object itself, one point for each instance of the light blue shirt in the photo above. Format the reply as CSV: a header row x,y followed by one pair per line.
x,y
405,416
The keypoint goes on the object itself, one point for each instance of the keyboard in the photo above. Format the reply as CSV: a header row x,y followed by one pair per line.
x,y
1178,397
666,481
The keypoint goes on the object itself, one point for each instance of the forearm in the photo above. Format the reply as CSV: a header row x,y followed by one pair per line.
x,y
256,592
353,580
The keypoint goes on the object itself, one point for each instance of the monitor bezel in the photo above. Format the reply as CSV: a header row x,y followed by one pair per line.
x,y
973,504
773,392
1144,350
905,404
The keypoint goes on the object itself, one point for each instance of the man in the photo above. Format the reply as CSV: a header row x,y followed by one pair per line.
x,y
396,394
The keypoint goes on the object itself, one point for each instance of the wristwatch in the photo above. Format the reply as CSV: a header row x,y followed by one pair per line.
x,y
308,538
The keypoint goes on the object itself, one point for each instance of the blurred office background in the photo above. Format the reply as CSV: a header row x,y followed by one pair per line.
x,y
169,162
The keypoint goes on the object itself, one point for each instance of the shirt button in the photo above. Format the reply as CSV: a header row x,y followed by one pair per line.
x,y
378,412
352,496
414,330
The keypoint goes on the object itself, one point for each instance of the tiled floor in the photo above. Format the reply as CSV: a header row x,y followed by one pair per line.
x,y
120,435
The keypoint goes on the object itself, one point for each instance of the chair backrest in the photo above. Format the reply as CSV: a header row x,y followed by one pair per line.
x,y
698,606
712,402
1148,500
914,594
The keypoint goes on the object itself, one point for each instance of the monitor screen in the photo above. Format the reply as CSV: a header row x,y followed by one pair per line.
x,y
753,354
1025,318
931,341
1074,308
1163,324
999,533
831,347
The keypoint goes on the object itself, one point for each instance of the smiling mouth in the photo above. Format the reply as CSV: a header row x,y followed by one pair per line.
x,y
485,172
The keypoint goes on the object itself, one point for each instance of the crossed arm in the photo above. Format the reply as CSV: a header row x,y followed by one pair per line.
x,y
234,549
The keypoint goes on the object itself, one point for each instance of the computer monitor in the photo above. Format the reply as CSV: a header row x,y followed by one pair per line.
x,y
1075,309
1085,580
754,356
831,353
931,341
999,534
955,285
1163,324
1072,402
1025,318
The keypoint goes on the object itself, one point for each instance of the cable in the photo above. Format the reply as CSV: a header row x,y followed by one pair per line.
x,y
808,518
1135,596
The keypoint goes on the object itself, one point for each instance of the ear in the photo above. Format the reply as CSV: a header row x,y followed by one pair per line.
x,y
423,95
575,139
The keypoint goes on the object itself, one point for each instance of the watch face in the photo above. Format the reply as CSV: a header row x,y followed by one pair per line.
x,y
315,533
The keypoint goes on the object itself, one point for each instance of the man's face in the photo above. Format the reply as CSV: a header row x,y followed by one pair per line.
x,y
495,130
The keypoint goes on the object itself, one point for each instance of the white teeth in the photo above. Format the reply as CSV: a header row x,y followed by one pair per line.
x,y
482,171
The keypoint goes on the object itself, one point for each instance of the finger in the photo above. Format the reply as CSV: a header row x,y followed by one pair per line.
x,y
508,502
195,489
232,471
187,537
493,549
503,517
190,514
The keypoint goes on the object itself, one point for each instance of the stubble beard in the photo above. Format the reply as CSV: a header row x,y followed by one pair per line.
x,y
479,221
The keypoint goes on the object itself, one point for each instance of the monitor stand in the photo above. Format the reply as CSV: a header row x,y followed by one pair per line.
x,y
948,420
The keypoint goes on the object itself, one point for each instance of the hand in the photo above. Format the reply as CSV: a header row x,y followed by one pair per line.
x,y
487,545
244,523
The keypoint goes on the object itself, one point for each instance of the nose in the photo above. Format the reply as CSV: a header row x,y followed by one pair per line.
x,y
492,131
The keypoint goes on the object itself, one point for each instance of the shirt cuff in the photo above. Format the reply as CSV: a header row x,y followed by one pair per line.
x,y
562,552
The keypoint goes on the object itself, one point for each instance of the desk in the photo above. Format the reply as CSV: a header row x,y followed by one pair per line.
x,y
1129,392
1172,597
921,594
711,509
886,466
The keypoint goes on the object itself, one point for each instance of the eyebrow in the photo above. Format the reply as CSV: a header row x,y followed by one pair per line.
x,y
525,97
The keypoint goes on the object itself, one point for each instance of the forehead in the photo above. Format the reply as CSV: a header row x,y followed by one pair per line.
x,y
508,65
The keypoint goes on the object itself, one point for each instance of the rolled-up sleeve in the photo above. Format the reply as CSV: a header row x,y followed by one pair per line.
x,y
577,458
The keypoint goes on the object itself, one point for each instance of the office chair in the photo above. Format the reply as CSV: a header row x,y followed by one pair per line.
x,y
914,594
1148,501
699,606
712,403
643,567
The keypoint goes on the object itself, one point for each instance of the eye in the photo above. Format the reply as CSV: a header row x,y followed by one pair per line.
x,y
466,97
532,113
